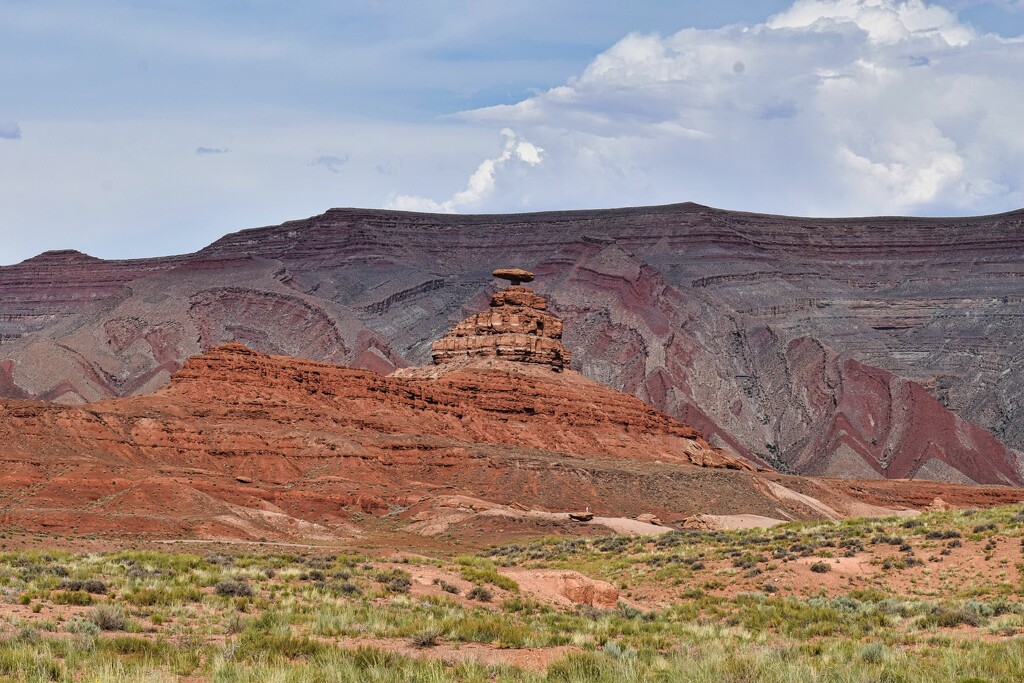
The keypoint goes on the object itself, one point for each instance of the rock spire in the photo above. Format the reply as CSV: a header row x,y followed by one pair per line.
x,y
516,328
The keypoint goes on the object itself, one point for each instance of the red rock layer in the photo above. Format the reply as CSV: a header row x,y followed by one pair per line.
x,y
322,441
516,328
244,445
508,404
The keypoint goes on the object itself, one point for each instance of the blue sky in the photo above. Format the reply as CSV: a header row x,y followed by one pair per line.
x,y
146,128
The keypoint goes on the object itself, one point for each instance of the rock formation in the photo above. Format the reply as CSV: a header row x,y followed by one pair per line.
x,y
863,347
516,328
250,446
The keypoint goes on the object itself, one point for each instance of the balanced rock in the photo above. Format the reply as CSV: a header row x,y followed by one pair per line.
x,y
516,276
516,328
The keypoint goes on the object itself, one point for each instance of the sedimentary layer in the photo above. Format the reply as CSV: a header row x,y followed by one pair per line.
x,y
756,329
241,445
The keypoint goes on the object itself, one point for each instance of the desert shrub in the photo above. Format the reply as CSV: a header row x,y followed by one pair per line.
x,y
821,568
951,617
109,618
874,653
76,598
27,634
426,638
219,559
236,623
613,544
398,584
480,593
449,587
163,597
942,534
319,562
82,627
616,651
395,580
982,528
346,588
888,540
234,589
522,605
745,562
627,611
94,586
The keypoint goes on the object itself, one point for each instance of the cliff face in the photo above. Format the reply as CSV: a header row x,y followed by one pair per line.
x,y
241,444
868,347
245,445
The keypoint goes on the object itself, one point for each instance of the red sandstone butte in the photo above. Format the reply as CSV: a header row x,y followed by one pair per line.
x,y
241,445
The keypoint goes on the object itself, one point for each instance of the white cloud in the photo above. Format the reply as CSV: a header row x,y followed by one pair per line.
x,y
830,107
481,183
884,21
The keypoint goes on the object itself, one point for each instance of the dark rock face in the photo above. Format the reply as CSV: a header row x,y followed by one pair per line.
x,y
886,347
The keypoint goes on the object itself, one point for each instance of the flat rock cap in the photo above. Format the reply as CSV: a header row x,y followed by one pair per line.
x,y
514,274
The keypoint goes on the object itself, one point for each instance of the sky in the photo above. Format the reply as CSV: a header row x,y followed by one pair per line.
x,y
133,128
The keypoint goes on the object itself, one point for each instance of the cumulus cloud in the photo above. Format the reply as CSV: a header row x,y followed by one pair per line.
x,y
481,184
211,150
329,161
884,21
830,107
9,130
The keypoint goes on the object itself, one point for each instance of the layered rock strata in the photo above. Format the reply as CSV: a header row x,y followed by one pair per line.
x,y
516,328
250,446
757,330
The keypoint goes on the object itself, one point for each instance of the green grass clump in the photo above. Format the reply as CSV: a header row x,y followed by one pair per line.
x,y
480,571
77,598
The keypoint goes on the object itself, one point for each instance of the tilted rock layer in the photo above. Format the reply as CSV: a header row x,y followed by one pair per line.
x,y
245,445
869,347
516,328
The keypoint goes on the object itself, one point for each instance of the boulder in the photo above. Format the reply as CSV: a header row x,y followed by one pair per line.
x,y
514,275
648,518
583,590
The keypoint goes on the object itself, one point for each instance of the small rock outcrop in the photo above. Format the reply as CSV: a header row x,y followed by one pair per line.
x,y
517,327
